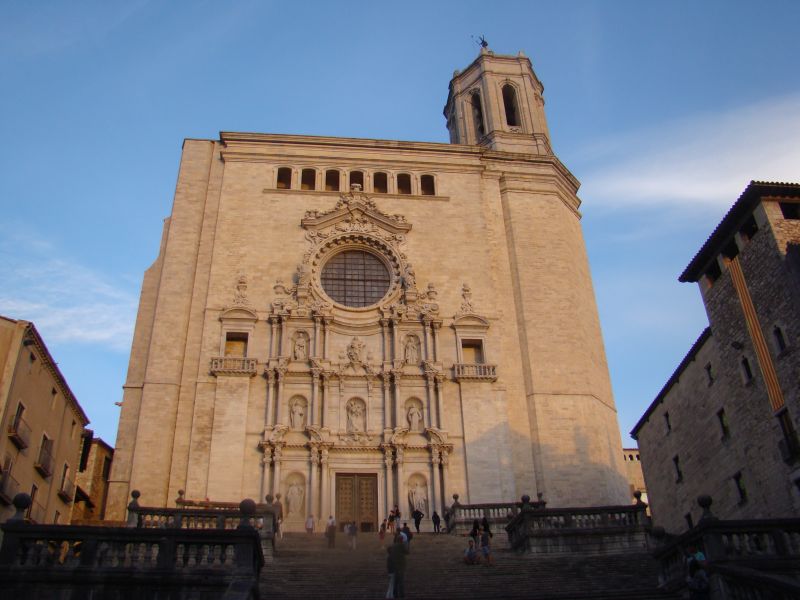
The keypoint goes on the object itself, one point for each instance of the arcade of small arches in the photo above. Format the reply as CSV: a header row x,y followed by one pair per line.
x,y
334,180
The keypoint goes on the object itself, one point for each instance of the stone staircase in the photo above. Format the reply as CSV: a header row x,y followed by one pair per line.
x,y
304,568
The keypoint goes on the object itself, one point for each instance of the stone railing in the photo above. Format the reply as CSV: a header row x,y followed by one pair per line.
x,y
461,517
478,371
233,365
48,561
225,515
593,530
751,559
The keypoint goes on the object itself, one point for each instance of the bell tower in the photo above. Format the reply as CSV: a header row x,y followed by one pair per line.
x,y
497,102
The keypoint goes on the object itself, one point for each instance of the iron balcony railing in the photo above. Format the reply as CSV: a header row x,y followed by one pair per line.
x,y
20,433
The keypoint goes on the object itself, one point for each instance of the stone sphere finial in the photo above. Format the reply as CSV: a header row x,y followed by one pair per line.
x,y
525,499
247,506
705,503
269,498
21,502
135,494
455,497
278,496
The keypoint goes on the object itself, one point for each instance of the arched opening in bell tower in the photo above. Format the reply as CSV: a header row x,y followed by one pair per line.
x,y
510,105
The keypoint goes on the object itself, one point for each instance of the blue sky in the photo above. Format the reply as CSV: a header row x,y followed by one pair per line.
x,y
664,111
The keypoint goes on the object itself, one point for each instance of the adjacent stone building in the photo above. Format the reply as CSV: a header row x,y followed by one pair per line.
x,y
725,423
91,483
42,424
359,323
633,468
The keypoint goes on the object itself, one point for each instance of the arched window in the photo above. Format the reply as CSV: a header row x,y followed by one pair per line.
x,y
404,183
477,115
426,185
357,177
510,104
331,180
380,183
308,179
284,178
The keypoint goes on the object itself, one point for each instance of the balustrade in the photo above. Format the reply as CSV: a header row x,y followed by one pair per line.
x,y
477,371
233,365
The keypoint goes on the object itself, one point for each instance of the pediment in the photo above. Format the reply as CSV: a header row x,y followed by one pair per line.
x,y
355,210
471,321
238,313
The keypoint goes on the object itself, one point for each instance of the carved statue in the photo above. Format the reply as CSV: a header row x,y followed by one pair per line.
x,y
414,418
409,277
294,499
303,275
355,351
355,417
240,293
411,350
300,351
297,415
418,498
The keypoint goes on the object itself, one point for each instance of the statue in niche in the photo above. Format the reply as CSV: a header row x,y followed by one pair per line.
x,y
297,415
409,277
294,498
355,417
418,497
240,293
355,351
411,350
300,351
414,418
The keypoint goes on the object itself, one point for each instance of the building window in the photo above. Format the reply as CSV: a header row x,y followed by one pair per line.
x,y
722,418
747,372
790,210
56,517
472,352
510,105
64,477
780,340
331,181
284,178
426,185
709,374
380,183
355,278
667,423
738,481
357,177
678,473
404,183
106,473
308,179
236,344
477,115
34,492
44,461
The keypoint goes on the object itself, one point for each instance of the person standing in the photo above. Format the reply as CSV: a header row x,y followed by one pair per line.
x,y
278,516
382,533
310,524
352,531
436,521
417,516
330,531
397,554
486,546
406,531
392,519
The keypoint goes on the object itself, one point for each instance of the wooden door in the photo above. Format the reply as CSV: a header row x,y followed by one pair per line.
x,y
357,500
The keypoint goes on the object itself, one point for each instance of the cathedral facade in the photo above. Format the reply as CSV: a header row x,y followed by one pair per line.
x,y
357,324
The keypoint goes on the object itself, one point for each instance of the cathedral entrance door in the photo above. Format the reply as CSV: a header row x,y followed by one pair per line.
x,y
357,500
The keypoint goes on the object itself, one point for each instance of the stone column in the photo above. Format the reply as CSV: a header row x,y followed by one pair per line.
x,y
436,325
326,395
436,501
276,475
426,327
439,377
315,374
316,335
399,418
282,349
388,459
445,460
325,493
385,340
279,416
270,415
430,418
313,485
266,460
273,340
387,400
396,353
402,487
326,322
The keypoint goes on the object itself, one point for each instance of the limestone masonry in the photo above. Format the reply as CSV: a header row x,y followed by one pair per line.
x,y
356,324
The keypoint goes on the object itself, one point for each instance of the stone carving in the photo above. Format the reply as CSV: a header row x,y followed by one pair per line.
x,y
355,416
300,349
355,351
418,497
409,279
294,499
240,293
414,417
411,349
466,305
297,416
431,293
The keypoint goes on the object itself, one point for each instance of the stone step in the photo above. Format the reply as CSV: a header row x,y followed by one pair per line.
x,y
303,567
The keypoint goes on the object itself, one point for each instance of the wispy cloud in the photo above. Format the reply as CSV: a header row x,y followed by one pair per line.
x,y
702,161
67,301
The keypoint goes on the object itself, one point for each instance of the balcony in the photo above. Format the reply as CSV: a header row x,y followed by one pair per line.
x,y
474,372
44,462
233,365
67,491
9,487
19,433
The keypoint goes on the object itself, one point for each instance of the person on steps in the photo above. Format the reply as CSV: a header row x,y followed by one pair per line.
x,y
330,531
471,556
397,553
486,546
417,516
436,521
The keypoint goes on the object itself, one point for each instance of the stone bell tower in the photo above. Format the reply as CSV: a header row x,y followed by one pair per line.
x,y
497,102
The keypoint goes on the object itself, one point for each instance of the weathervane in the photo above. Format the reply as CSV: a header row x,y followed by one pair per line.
x,y
481,41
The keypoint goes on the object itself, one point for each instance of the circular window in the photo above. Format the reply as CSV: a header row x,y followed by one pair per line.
x,y
355,278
